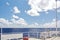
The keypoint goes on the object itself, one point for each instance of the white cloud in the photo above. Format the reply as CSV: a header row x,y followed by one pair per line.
x,y
19,21
58,4
52,24
58,10
16,10
4,22
54,19
16,17
41,5
47,12
13,23
33,12
7,3
58,23
36,24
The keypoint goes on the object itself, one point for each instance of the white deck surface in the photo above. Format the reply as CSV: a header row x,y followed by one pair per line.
x,y
53,38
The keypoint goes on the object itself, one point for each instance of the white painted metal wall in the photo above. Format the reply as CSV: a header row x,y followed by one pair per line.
x,y
11,36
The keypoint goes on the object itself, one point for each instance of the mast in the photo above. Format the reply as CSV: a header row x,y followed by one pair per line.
x,y
56,17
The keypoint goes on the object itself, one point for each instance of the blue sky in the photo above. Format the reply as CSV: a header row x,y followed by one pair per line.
x,y
28,13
